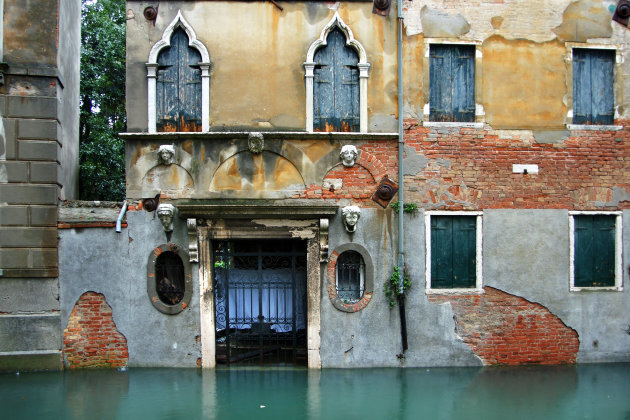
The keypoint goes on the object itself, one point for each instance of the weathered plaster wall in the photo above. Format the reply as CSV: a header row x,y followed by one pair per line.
x,y
115,265
371,336
526,253
257,54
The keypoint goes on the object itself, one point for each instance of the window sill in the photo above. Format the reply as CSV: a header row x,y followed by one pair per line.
x,y
596,289
455,124
588,127
471,291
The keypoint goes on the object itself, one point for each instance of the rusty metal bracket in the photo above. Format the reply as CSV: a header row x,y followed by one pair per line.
x,y
622,12
385,192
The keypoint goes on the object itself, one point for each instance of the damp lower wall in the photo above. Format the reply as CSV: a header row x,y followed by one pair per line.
x,y
524,315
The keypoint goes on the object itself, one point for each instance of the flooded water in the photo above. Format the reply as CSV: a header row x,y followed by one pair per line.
x,y
582,392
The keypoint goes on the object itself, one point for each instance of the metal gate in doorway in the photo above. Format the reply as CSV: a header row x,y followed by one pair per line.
x,y
260,301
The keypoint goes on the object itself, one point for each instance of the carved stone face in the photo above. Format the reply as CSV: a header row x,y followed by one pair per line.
x,y
166,154
351,215
256,143
166,214
348,155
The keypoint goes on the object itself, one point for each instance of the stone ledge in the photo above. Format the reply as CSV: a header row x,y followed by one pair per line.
x,y
30,361
282,135
244,209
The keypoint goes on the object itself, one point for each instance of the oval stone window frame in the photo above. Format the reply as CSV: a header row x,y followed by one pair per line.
x,y
368,291
151,280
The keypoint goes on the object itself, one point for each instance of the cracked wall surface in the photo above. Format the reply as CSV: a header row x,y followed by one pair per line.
x,y
503,329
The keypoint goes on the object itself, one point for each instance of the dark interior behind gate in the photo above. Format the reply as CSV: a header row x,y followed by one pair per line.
x,y
260,301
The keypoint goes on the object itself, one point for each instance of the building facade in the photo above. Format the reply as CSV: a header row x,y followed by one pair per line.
x,y
39,99
262,162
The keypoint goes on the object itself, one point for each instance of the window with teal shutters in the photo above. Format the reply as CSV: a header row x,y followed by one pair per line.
x,y
452,83
594,250
593,97
453,252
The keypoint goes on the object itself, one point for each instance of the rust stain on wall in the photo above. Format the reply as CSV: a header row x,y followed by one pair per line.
x,y
524,83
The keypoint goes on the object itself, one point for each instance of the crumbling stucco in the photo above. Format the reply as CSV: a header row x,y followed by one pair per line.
x,y
439,24
524,83
583,20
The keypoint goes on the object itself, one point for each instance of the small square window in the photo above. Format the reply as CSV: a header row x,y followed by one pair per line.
x,y
595,251
593,80
454,251
452,83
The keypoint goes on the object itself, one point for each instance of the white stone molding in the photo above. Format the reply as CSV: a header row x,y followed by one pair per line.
x,y
204,65
193,247
323,240
364,70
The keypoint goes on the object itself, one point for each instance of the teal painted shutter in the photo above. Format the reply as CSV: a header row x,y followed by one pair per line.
x,y
594,255
336,86
593,97
452,83
179,86
453,252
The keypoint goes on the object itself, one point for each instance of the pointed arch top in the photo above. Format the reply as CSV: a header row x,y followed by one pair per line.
x,y
179,22
336,22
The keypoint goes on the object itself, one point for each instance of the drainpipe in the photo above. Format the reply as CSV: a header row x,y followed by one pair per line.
x,y
120,217
401,218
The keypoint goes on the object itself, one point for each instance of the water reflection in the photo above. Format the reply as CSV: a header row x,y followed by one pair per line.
x,y
591,392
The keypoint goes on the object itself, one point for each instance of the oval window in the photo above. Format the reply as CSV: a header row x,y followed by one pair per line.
x,y
169,278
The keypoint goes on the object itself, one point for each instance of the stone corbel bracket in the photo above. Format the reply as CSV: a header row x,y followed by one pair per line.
x,y
323,240
193,247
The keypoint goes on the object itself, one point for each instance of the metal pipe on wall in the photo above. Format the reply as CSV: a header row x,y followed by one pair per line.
x,y
401,183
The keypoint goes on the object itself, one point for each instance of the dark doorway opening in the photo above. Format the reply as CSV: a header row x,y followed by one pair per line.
x,y
260,301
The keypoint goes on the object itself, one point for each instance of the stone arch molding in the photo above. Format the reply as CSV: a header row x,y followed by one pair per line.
x,y
364,70
152,66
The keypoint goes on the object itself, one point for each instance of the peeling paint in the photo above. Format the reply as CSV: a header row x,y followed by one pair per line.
x,y
550,136
583,20
438,24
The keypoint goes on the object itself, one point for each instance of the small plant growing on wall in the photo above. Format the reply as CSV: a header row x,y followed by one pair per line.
x,y
409,208
392,286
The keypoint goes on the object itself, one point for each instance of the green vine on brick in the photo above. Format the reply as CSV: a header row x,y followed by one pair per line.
x,y
392,286
410,208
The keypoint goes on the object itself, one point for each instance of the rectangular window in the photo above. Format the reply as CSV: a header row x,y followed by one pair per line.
x,y
452,83
593,77
595,251
454,257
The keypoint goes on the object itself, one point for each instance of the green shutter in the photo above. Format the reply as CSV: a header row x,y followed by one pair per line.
x,y
594,255
453,252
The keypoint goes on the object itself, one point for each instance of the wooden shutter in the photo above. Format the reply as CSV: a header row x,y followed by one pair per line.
x,y
336,86
452,83
593,97
594,255
453,252
179,86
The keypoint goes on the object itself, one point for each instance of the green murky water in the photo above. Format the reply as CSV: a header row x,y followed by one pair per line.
x,y
582,392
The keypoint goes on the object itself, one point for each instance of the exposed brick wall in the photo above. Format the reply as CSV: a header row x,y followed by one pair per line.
x,y
472,169
503,329
91,339
376,160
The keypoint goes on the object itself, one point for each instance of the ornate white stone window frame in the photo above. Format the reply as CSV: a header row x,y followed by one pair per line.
x,y
364,70
152,66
